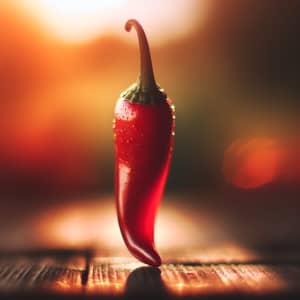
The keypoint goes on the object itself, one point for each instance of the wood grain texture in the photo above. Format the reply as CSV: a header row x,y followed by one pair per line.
x,y
83,275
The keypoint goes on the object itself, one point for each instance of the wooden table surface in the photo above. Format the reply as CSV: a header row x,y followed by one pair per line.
x,y
237,274
229,249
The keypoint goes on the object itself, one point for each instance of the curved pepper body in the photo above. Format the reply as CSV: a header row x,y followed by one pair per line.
x,y
144,133
143,146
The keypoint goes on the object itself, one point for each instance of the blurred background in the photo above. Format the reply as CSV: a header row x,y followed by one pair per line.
x,y
232,70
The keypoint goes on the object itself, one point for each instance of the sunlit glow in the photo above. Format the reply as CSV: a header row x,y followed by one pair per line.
x,y
79,20
251,163
94,224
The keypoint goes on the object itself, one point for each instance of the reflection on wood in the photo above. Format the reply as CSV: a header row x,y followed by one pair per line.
x,y
80,274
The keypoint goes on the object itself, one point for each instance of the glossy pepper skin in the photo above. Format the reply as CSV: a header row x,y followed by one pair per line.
x,y
144,134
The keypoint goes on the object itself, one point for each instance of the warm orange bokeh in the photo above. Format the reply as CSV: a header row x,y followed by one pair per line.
x,y
63,64
251,163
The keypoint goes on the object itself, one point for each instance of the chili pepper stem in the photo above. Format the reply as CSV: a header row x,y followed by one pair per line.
x,y
147,80
145,91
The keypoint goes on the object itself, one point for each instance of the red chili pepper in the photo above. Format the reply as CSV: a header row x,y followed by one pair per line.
x,y
144,134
